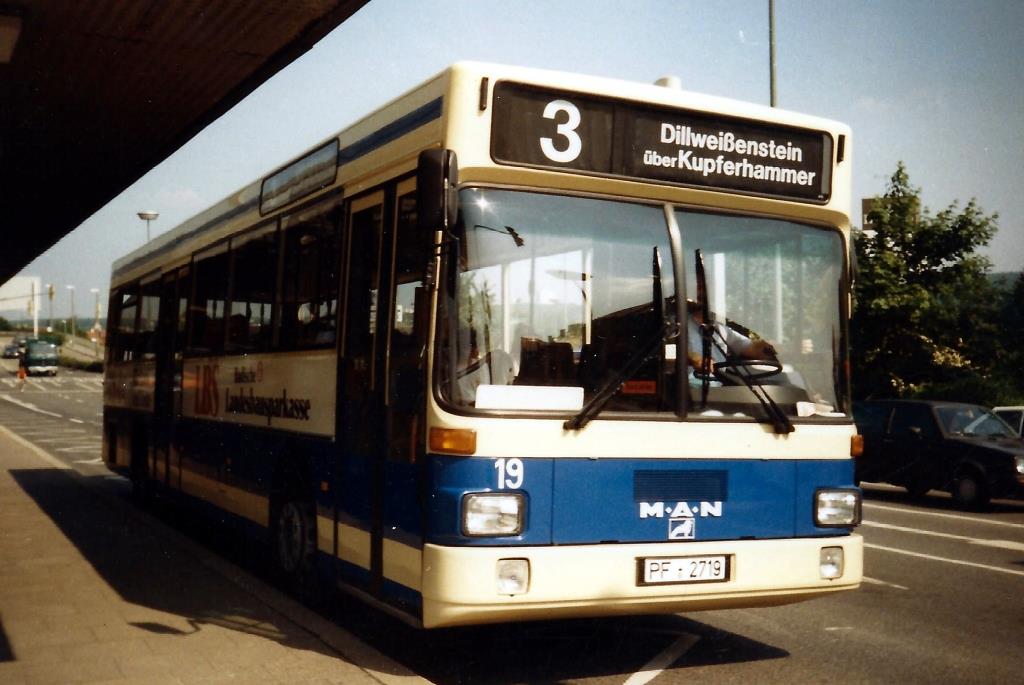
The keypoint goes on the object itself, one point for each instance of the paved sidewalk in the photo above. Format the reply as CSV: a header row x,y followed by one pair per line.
x,y
94,591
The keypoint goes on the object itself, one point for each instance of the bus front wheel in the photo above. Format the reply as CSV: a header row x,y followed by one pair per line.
x,y
295,543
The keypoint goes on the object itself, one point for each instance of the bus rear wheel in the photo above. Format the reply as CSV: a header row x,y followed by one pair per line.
x,y
295,543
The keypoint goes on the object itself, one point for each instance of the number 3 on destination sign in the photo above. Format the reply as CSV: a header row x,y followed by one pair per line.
x,y
510,473
566,130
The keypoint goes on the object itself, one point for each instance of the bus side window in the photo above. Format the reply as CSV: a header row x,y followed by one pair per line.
x,y
113,320
145,335
309,282
208,301
253,283
125,338
184,289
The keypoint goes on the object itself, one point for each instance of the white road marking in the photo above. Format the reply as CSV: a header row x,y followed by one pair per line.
x,y
39,452
30,406
76,420
987,542
974,519
876,581
668,656
959,562
65,430
91,462
88,449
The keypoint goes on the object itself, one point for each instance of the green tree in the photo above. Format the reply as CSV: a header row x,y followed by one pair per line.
x,y
925,315
1011,363
5,325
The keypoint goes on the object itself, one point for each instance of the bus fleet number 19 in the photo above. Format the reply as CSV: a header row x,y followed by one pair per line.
x,y
510,473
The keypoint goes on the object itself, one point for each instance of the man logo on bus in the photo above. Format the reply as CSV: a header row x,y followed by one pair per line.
x,y
682,529
679,510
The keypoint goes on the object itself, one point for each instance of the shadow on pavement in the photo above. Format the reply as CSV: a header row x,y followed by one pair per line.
x,y
145,570
550,651
5,646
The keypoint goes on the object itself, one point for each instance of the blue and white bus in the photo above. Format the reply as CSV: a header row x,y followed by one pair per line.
x,y
518,345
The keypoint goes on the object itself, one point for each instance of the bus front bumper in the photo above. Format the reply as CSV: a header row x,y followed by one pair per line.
x,y
35,370
460,584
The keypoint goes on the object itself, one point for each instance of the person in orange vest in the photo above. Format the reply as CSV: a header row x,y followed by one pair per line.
x,y
22,376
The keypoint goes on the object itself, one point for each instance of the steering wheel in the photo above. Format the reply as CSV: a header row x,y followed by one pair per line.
x,y
747,368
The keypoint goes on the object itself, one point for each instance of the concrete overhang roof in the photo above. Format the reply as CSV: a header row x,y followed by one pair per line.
x,y
94,94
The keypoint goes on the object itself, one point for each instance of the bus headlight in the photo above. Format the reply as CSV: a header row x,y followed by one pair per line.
x,y
488,513
1019,463
836,508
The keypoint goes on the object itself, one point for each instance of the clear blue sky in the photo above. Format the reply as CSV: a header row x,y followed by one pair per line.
x,y
938,84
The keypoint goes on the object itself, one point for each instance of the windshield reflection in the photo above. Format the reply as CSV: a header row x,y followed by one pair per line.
x,y
547,299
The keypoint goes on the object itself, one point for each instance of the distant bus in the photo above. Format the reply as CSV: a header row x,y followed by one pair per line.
x,y
518,345
40,358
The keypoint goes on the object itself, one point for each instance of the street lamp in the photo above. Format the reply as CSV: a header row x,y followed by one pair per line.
x,y
148,216
96,292
50,292
96,326
72,289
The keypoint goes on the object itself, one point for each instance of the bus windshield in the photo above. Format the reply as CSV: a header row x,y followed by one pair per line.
x,y
773,292
548,298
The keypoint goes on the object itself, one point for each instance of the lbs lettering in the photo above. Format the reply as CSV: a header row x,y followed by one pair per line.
x,y
207,400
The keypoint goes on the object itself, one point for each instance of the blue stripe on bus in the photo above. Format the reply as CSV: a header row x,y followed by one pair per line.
x,y
396,129
187,237
593,501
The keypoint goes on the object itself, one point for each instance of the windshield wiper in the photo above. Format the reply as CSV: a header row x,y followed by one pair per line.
x,y
780,422
663,330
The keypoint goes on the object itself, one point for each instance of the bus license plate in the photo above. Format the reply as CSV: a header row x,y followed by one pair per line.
x,y
664,570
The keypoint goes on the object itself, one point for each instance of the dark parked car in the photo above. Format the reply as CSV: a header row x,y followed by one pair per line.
x,y
11,352
964,449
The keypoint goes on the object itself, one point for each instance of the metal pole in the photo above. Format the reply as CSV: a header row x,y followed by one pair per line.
x,y
771,47
72,289
147,216
96,292
34,311
50,291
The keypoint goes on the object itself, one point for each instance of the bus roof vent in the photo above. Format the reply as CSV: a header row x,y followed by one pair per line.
x,y
672,82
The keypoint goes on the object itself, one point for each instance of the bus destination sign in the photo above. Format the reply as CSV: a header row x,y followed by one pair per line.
x,y
570,131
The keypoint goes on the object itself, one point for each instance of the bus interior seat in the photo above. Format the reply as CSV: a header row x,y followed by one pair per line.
x,y
546,363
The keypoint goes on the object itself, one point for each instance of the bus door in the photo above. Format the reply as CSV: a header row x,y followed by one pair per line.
x,y
360,404
382,390
167,397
